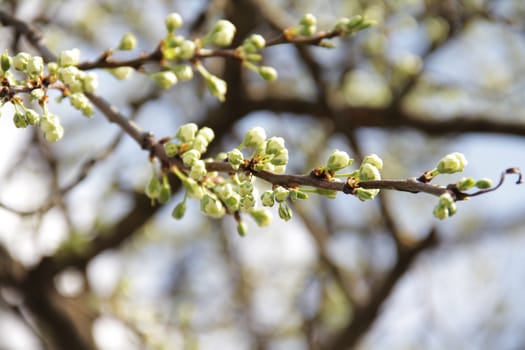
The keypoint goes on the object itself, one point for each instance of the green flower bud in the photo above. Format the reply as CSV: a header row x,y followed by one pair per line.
x,y
172,149
52,67
5,61
179,210
20,61
465,183
190,156
217,87
374,160
35,66
297,194
186,132
308,25
200,144
281,158
484,183
127,42
48,122
32,117
281,194
164,79
198,169
194,190
122,73
248,202
308,20
452,163
242,229
165,191
153,187
267,73
445,200
245,188
233,202
222,33
183,72
207,133
235,158
274,145
268,198
338,160
78,100
173,21
211,206
88,110
369,172
68,74
254,43
440,212
285,212
69,57
19,120
187,49
365,194
90,82
254,137
261,216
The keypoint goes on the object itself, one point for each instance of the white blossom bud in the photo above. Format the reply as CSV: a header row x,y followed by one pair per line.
x,y
187,49
32,117
90,82
338,160
369,172
207,133
173,21
20,61
69,57
68,74
374,160
254,137
281,194
235,158
183,72
222,33
274,145
200,144
186,132
211,206
365,194
216,86
247,202
164,79
198,169
452,163
35,66
127,42
190,156
122,73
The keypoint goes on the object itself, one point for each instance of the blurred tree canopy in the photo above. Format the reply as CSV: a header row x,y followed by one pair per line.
x,y
87,262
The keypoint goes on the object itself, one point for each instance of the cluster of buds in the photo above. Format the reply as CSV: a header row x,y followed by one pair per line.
x,y
237,194
280,195
446,206
349,26
267,154
369,171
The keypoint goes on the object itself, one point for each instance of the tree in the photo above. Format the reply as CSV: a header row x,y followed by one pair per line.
x,y
91,205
